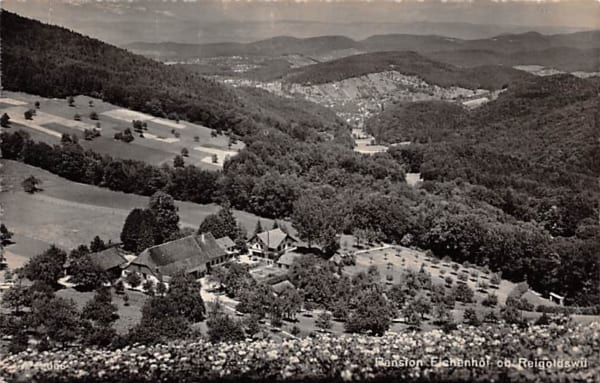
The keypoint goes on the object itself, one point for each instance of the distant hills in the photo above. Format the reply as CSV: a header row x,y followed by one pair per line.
x,y
511,49
51,61
408,63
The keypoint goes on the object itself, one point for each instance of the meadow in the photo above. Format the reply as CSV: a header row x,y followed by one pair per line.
x,y
68,214
162,141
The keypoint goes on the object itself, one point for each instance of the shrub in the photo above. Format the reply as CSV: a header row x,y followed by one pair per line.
x,y
495,279
119,287
521,304
463,293
470,317
323,321
490,300
133,279
512,315
195,360
148,287
568,310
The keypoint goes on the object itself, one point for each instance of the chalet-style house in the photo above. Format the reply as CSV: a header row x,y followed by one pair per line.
x,y
194,254
272,244
228,245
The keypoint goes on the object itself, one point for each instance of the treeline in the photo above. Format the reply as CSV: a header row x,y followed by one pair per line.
x,y
73,162
51,61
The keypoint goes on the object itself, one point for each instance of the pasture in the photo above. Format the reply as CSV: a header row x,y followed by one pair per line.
x,y
67,213
161,142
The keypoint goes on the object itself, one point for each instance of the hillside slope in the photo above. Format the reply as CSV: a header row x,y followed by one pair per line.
x,y
54,62
408,63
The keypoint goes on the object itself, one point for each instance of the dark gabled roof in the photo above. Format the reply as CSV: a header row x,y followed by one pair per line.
x,y
108,259
225,242
189,254
273,238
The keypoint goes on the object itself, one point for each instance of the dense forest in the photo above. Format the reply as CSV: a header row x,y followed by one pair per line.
x,y
408,63
510,185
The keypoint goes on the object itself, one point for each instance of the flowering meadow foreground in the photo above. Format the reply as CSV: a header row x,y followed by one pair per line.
x,y
553,353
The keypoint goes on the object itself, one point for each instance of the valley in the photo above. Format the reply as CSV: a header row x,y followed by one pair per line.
x,y
268,211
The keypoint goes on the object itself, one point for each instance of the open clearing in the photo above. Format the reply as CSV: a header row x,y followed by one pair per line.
x,y
129,115
162,141
67,213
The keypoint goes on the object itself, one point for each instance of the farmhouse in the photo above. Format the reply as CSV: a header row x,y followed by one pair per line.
x,y
228,245
194,254
110,261
272,244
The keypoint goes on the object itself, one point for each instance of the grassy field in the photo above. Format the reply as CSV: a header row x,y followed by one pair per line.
x,y
162,141
67,213
129,315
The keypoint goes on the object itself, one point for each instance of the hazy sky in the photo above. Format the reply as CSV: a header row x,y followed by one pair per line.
x,y
121,21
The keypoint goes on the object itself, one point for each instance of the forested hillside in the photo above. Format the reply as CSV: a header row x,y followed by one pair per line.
x,y
55,62
535,148
510,185
408,63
